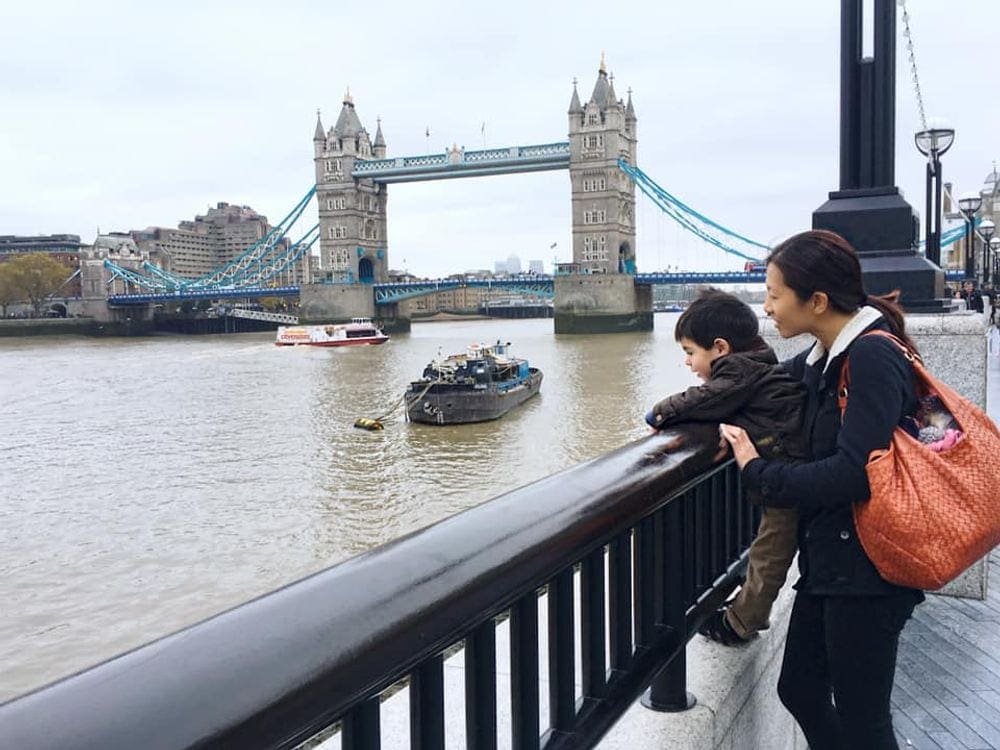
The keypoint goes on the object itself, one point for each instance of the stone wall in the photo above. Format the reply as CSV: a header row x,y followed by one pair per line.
x,y
602,303
334,303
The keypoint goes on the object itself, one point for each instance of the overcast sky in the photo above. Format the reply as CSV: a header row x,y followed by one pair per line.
x,y
126,115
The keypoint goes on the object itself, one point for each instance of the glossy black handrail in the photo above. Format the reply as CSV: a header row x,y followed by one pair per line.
x,y
276,670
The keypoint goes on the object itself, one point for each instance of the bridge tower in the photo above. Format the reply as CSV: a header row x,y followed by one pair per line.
x,y
352,212
600,295
601,132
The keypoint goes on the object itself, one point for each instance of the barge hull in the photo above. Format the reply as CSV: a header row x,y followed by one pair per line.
x,y
446,406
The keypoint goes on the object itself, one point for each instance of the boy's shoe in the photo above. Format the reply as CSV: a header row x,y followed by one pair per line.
x,y
718,629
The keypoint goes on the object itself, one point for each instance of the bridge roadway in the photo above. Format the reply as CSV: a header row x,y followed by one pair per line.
x,y
540,285
462,163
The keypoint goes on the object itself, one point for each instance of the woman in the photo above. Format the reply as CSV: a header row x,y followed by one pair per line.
x,y
840,656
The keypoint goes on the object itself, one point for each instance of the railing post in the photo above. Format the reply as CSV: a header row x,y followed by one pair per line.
x,y
668,691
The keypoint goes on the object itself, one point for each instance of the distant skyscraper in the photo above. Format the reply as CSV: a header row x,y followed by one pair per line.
x,y
500,266
513,264
536,266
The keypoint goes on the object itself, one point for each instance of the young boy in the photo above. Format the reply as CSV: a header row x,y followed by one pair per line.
x,y
743,385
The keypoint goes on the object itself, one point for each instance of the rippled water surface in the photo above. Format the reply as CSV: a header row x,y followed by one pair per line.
x,y
150,483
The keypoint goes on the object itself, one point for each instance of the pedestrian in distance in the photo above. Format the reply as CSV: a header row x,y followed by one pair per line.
x,y
840,655
745,385
973,298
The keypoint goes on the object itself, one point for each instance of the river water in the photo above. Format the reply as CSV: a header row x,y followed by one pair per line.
x,y
150,483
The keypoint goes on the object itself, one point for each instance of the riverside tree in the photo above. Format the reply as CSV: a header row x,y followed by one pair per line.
x,y
9,293
35,277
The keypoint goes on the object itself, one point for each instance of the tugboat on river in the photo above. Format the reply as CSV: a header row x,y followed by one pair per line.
x,y
482,384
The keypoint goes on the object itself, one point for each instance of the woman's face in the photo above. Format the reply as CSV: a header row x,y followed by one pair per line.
x,y
791,315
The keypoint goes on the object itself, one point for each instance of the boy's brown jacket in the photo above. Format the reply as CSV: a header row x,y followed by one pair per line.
x,y
749,389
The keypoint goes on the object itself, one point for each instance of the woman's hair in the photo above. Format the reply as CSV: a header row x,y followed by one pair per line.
x,y
823,261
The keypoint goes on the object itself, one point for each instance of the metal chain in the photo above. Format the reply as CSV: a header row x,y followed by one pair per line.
x,y
908,34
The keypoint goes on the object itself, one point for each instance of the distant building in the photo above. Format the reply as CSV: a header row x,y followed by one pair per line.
x,y
536,266
513,264
196,248
500,267
64,248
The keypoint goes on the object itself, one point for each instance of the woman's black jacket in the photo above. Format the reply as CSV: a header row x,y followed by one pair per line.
x,y
831,559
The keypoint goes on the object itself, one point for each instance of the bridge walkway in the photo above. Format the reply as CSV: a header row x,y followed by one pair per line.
x,y
947,689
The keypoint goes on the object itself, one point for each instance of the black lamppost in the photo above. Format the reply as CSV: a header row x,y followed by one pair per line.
x,y
868,209
986,229
995,247
933,143
968,204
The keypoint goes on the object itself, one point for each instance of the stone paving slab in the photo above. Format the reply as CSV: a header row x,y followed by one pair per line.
x,y
947,690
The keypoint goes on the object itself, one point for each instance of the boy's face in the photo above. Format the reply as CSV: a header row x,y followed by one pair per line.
x,y
699,360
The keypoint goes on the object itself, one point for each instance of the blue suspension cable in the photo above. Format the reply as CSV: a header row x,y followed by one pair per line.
x,y
682,214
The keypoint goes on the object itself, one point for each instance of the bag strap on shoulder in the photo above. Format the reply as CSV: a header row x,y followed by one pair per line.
x,y
843,386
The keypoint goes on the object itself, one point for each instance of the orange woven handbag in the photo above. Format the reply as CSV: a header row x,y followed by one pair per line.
x,y
931,514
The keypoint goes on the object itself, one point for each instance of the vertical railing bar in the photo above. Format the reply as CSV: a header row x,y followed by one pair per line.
x,y
360,727
592,631
736,501
525,731
688,543
427,705
659,566
700,531
718,490
481,688
643,587
620,625
562,687
668,691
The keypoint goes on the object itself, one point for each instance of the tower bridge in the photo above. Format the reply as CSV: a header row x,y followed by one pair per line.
x,y
352,177
603,292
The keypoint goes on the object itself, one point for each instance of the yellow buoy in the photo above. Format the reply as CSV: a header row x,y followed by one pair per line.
x,y
373,425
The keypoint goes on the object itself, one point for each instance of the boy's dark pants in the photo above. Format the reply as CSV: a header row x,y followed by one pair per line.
x,y
771,554
837,674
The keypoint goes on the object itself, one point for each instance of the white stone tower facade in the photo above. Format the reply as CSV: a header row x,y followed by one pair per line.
x,y
601,132
353,241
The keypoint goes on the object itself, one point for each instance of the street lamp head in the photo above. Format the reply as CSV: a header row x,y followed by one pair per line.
x,y
970,202
986,228
936,139
995,244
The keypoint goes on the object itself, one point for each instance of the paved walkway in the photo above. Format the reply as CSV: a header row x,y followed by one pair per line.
x,y
947,691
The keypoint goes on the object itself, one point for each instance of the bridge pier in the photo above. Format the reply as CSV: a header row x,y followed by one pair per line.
x,y
602,303
338,303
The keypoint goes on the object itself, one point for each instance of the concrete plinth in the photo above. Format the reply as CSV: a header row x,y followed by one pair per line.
x,y
602,303
954,349
335,303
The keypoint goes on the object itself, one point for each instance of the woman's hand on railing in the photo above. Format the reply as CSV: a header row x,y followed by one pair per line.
x,y
744,451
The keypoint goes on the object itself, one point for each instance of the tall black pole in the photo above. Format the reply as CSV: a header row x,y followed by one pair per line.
x,y
868,209
938,210
970,255
928,213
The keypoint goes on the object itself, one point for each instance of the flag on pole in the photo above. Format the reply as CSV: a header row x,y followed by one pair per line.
x,y
427,132
483,129
553,245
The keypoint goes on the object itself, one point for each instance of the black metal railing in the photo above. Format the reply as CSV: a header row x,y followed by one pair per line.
x,y
651,536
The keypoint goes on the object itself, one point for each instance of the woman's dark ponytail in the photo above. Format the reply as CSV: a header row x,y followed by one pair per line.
x,y
822,261
888,305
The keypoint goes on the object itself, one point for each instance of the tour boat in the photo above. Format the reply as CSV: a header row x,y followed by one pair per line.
x,y
358,331
482,384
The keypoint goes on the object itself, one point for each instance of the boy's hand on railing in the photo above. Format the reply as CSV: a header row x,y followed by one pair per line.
x,y
744,451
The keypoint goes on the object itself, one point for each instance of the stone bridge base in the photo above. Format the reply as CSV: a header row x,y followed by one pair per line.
x,y
602,303
338,303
